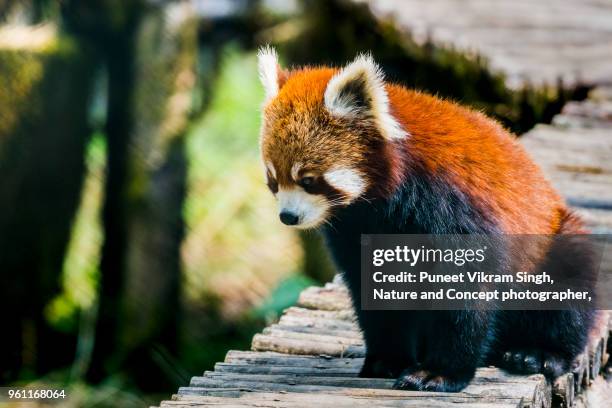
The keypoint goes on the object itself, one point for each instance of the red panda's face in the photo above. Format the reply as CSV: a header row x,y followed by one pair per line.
x,y
323,137
312,165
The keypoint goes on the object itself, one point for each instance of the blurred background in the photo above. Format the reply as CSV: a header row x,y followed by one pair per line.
x,y
138,242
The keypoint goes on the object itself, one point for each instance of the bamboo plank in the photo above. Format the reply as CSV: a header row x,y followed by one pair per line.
x,y
348,371
281,332
344,315
262,342
525,391
315,330
211,377
272,358
263,399
331,324
324,299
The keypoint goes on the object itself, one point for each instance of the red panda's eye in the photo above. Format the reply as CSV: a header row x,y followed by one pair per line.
x,y
306,181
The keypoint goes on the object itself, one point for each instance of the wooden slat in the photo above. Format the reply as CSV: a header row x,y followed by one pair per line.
x,y
314,334
349,371
324,299
344,315
530,390
290,379
296,327
262,342
263,399
271,358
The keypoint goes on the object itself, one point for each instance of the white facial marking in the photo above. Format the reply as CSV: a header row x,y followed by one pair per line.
x,y
347,180
340,103
271,169
268,71
295,170
310,208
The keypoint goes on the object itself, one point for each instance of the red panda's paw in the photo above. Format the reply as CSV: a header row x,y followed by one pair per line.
x,y
425,380
532,361
374,367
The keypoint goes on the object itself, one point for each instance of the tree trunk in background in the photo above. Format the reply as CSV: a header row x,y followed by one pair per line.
x,y
44,89
151,68
119,57
110,31
165,78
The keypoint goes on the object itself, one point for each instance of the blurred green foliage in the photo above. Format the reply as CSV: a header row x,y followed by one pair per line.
x,y
283,296
80,272
235,249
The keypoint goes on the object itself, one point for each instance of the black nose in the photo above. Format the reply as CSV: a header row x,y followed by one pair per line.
x,y
288,218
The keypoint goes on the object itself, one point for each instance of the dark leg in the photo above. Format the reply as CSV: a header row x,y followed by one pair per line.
x,y
544,342
452,349
388,337
548,341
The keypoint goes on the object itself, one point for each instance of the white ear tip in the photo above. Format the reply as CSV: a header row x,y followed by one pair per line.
x,y
267,61
266,52
367,62
366,57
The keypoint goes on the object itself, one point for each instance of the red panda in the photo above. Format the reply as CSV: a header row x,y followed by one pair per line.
x,y
348,153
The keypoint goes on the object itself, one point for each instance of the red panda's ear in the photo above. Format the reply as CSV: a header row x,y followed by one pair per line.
x,y
357,91
270,73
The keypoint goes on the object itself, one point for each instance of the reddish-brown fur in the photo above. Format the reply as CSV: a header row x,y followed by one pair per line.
x,y
474,152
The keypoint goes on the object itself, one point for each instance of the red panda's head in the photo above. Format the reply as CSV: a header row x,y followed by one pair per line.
x,y
327,138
